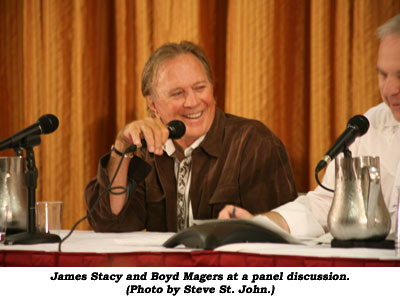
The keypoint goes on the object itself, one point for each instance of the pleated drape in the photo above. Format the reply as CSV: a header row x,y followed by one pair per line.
x,y
302,67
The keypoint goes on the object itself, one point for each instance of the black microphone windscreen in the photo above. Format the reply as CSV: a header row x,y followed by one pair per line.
x,y
360,122
48,123
176,129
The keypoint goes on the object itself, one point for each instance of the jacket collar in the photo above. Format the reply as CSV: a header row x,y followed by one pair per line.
x,y
212,143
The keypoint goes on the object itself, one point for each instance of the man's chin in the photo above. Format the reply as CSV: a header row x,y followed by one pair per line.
x,y
395,110
396,113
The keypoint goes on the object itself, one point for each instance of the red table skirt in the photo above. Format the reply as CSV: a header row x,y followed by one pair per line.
x,y
178,259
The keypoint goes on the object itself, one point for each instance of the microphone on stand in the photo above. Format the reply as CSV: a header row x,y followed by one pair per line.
x,y
27,139
45,125
357,126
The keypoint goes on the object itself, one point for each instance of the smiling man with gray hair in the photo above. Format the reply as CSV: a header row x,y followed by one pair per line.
x,y
307,215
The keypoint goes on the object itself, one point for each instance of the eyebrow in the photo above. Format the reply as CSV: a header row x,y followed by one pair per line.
x,y
201,82
380,70
174,90
397,72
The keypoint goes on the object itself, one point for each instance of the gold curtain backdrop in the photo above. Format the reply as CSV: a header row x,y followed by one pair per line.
x,y
302,67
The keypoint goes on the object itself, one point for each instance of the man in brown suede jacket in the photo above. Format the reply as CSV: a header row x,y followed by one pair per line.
x,y
221,159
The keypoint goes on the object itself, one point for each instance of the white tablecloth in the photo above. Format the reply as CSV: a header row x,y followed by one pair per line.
x,y
91,242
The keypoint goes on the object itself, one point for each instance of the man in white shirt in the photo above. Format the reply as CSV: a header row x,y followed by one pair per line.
x,y
307,215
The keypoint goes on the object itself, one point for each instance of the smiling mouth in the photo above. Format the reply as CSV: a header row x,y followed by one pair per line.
x,y
395,104
193,116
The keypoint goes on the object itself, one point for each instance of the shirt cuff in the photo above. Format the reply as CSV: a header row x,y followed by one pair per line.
x,y
300,219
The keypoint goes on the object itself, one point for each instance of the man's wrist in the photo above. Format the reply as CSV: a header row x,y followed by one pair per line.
x,y
121,154
278,219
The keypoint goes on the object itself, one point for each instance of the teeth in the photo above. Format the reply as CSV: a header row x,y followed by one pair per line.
x,y
193,115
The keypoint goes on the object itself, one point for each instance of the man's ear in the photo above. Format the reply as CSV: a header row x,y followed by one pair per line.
x,y
151,106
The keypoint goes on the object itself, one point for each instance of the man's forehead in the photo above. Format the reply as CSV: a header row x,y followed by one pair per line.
x,y
180,72
390,44
389,52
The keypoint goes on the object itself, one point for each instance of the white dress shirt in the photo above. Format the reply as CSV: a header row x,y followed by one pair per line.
x,y
308,214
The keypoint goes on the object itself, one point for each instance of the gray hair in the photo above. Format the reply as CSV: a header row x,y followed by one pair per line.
x,y
166,52
390,27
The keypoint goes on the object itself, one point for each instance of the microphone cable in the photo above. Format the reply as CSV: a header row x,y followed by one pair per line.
x,y
176,130
117,190
347,154
320,184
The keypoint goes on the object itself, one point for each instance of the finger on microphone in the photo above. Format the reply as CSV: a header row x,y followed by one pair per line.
x,y
153,134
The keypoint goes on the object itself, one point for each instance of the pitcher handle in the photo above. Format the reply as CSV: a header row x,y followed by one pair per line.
x,y
373,193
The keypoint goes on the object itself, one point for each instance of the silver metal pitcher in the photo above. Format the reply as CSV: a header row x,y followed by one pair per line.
x,y
13,192
358,211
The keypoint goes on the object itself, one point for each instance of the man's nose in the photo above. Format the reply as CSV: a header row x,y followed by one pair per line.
x,y
191,99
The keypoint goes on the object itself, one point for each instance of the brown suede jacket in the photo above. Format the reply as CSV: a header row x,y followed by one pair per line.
x,y
239,162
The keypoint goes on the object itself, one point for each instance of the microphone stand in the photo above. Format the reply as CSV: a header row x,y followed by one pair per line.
x,y
347,154
31,174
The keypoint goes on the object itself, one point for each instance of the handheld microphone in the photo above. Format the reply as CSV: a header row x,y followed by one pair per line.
x,y
357,126
45,125
176,130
